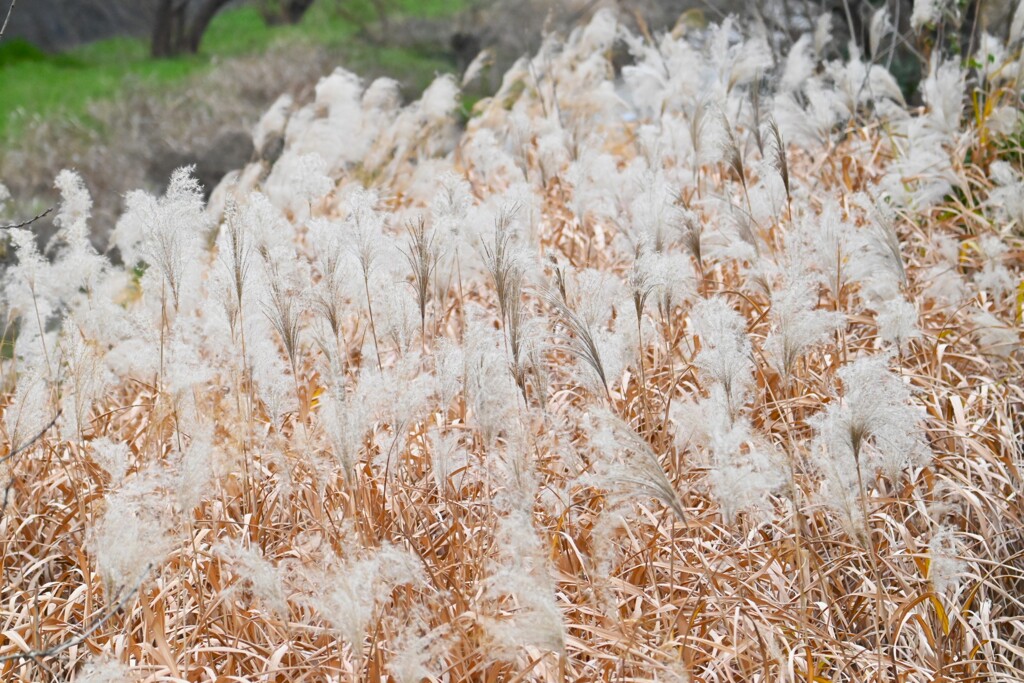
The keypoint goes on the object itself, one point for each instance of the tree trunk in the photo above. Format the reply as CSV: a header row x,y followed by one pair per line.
x,y
201,22
277,12
160,45
295,9
180,24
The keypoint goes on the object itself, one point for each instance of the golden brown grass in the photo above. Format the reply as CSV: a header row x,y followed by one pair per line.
x,y
794,597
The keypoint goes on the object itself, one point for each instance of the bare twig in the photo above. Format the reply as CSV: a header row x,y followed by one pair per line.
x,y
27,223
28,444
10,11
21,449
79,639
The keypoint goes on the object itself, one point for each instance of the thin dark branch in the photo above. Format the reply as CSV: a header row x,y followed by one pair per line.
x,y
10,11
28,444
30,221
21,449
77,640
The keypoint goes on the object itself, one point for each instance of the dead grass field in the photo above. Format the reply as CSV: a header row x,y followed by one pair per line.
x,y
499,448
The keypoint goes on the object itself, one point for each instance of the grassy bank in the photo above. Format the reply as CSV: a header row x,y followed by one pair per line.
x,y
37,84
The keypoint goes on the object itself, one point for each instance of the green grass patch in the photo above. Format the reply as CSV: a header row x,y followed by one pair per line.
x,y
35,83
20,51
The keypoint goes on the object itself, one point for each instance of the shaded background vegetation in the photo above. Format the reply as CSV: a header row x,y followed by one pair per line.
x,y
81,86
125,119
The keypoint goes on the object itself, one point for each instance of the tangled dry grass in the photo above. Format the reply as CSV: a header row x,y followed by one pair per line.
x,y
489,441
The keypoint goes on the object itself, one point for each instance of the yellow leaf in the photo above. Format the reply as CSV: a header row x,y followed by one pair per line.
x,y
1020,302
941,612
